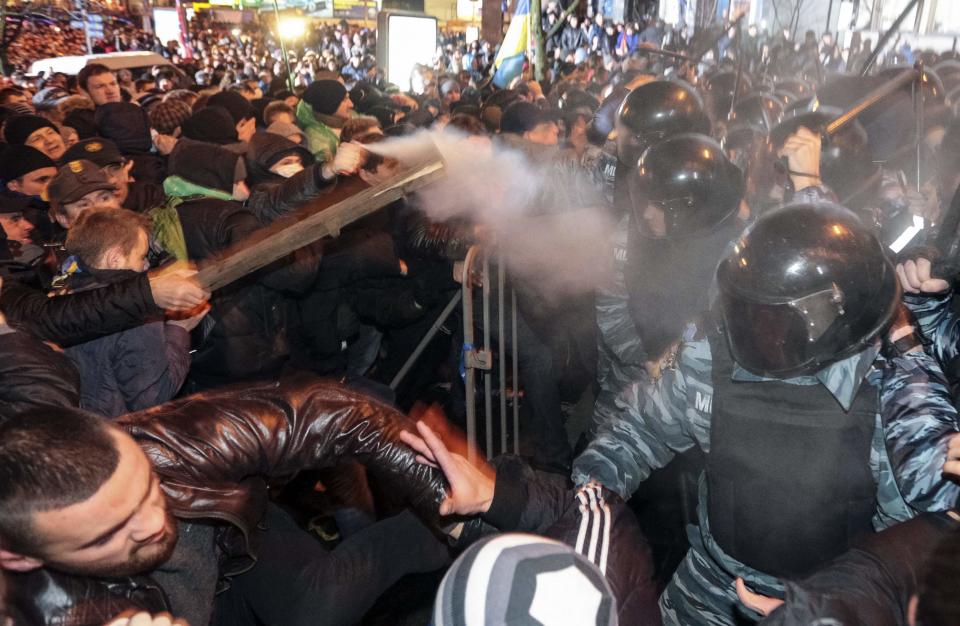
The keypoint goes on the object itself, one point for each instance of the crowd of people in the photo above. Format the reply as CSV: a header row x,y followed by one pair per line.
x,y
737,286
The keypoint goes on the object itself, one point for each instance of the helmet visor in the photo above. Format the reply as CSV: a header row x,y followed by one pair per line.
x,y
781,340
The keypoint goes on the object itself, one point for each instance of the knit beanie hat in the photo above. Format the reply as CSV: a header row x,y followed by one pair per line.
x,y
19,127
167,116
18,160
206,164
236,105
126,125
325,96
210,124
83,121
523,579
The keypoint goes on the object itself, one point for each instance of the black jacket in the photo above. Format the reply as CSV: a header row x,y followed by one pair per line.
x,y
870,585
263,432
75,318
32,374
246,331
595,522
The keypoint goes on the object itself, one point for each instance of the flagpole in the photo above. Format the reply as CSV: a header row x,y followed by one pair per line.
x,y
536,33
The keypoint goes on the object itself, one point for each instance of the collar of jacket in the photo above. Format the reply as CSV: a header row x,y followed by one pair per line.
x,y
87,278
842,379
183,188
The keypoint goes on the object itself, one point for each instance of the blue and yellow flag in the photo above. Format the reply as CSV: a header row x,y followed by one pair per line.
x,y
513,50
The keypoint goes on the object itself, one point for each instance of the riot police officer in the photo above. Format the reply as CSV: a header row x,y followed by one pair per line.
x,y
821,416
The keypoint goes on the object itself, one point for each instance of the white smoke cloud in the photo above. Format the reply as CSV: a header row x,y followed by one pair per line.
x,y
557,241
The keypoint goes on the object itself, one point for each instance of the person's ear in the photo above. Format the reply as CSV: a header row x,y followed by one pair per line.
x,y
13,186
62,219
112,258
912,610
18,562
128,167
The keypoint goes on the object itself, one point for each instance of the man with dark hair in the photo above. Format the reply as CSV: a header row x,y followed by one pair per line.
x,y
97,518
99,83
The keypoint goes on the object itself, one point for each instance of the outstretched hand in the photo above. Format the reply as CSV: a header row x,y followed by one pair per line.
x,y
471,488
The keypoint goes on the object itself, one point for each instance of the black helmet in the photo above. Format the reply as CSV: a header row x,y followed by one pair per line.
x,y
761,110
805,286
654,111
847,164
691,180
719,90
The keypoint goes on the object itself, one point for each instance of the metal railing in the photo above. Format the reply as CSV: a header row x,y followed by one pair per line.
x,y
480,358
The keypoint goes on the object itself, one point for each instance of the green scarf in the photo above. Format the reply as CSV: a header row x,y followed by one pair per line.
x,y
182,188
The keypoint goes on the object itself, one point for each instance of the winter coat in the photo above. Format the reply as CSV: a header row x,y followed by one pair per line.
x,y
133,369
32,374
273,196
246,331
870,585
260,433
75,318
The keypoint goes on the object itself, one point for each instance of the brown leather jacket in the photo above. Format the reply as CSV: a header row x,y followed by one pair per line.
x,y
214,453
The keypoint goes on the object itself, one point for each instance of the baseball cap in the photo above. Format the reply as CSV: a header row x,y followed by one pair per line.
x,y
74,180
98,150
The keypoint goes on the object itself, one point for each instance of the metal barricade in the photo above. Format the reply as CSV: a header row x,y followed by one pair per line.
x,y
480,358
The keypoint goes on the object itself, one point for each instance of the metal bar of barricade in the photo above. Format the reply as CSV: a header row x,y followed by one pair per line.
x,y
516,374
502,352
487,381
469,372
415,355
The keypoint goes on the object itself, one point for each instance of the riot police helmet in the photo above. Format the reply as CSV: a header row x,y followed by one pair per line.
x,y
684,186
805,286
654,111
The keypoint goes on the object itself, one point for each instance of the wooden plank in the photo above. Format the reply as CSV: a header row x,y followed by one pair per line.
x,y
309,224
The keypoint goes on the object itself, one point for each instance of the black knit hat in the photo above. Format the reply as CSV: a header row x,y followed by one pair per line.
x,y
126,125
98,150
15,161
19,127
523,116
206,164
210,124
82,121
236,105
325,96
